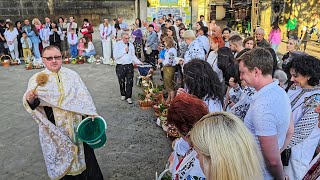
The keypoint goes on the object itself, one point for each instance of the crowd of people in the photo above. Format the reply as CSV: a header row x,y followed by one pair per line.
x,y
237,79
25,40
242,112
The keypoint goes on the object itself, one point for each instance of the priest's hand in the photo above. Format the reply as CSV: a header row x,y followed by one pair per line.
x,y
31,96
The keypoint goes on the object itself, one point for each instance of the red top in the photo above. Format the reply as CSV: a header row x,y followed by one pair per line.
x,y
87,33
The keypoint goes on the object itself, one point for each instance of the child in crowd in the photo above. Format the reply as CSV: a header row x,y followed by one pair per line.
x,y
26,47
80,46
45,36
73,41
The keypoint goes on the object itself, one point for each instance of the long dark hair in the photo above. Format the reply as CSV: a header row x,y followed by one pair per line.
x,y
275,60
87,42
226,63
200,23
34,29
139,20
275,26
174,35
16,24
202,81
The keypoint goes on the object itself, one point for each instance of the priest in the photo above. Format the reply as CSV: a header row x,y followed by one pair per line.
x,y
57,99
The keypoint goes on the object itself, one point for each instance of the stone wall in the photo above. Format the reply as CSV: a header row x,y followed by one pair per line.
x,y
94,10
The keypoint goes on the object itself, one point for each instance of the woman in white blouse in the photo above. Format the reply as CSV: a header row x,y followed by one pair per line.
x,y
201,81
105,33
195,50
88,48
169,68
11,35
304,95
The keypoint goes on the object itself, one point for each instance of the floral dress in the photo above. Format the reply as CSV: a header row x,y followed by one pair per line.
x,y
189,167
195,50
240,109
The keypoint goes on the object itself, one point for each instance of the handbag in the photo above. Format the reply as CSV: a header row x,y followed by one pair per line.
x,y
285,157
148,50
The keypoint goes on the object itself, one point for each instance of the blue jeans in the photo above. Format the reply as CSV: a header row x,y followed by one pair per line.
x,y
275,47
314,29
73,50
36,51
90,53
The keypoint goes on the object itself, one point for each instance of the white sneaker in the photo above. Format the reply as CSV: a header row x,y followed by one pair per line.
x,y
123,98
129,100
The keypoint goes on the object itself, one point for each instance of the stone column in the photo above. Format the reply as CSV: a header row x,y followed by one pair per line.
x,y
51,6
136,8
143,9
194,13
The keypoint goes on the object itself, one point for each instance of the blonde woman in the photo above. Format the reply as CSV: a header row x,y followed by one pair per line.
x,y
194,49
11,35
226,149
293,45
105,32
36,22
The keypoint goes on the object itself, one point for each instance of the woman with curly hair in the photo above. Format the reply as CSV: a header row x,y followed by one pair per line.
x,y
201,81
184,111
305,92
226,149
249,43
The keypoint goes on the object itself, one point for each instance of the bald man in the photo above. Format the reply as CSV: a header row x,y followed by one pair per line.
x,y
217,33
261,42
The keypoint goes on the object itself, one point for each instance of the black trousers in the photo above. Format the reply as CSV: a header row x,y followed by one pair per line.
x,y
152,58
93,171
125,77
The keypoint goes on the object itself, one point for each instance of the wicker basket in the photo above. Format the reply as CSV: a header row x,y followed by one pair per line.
x,y
5,62
29,67
80,59
15,63
146,104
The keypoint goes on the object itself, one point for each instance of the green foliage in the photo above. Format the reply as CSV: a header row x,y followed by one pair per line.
x,y
141,96
160,87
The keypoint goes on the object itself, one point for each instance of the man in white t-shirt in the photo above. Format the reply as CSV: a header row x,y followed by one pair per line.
x,y
268,117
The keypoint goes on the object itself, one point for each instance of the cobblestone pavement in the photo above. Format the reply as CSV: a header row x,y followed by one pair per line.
x,y
136,148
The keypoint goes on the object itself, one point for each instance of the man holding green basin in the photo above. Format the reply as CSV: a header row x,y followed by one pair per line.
x,y
57,99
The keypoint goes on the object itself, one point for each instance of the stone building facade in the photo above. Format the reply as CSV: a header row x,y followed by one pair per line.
x,y
94,10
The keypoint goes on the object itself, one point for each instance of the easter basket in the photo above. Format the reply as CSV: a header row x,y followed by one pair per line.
x,y
5,60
